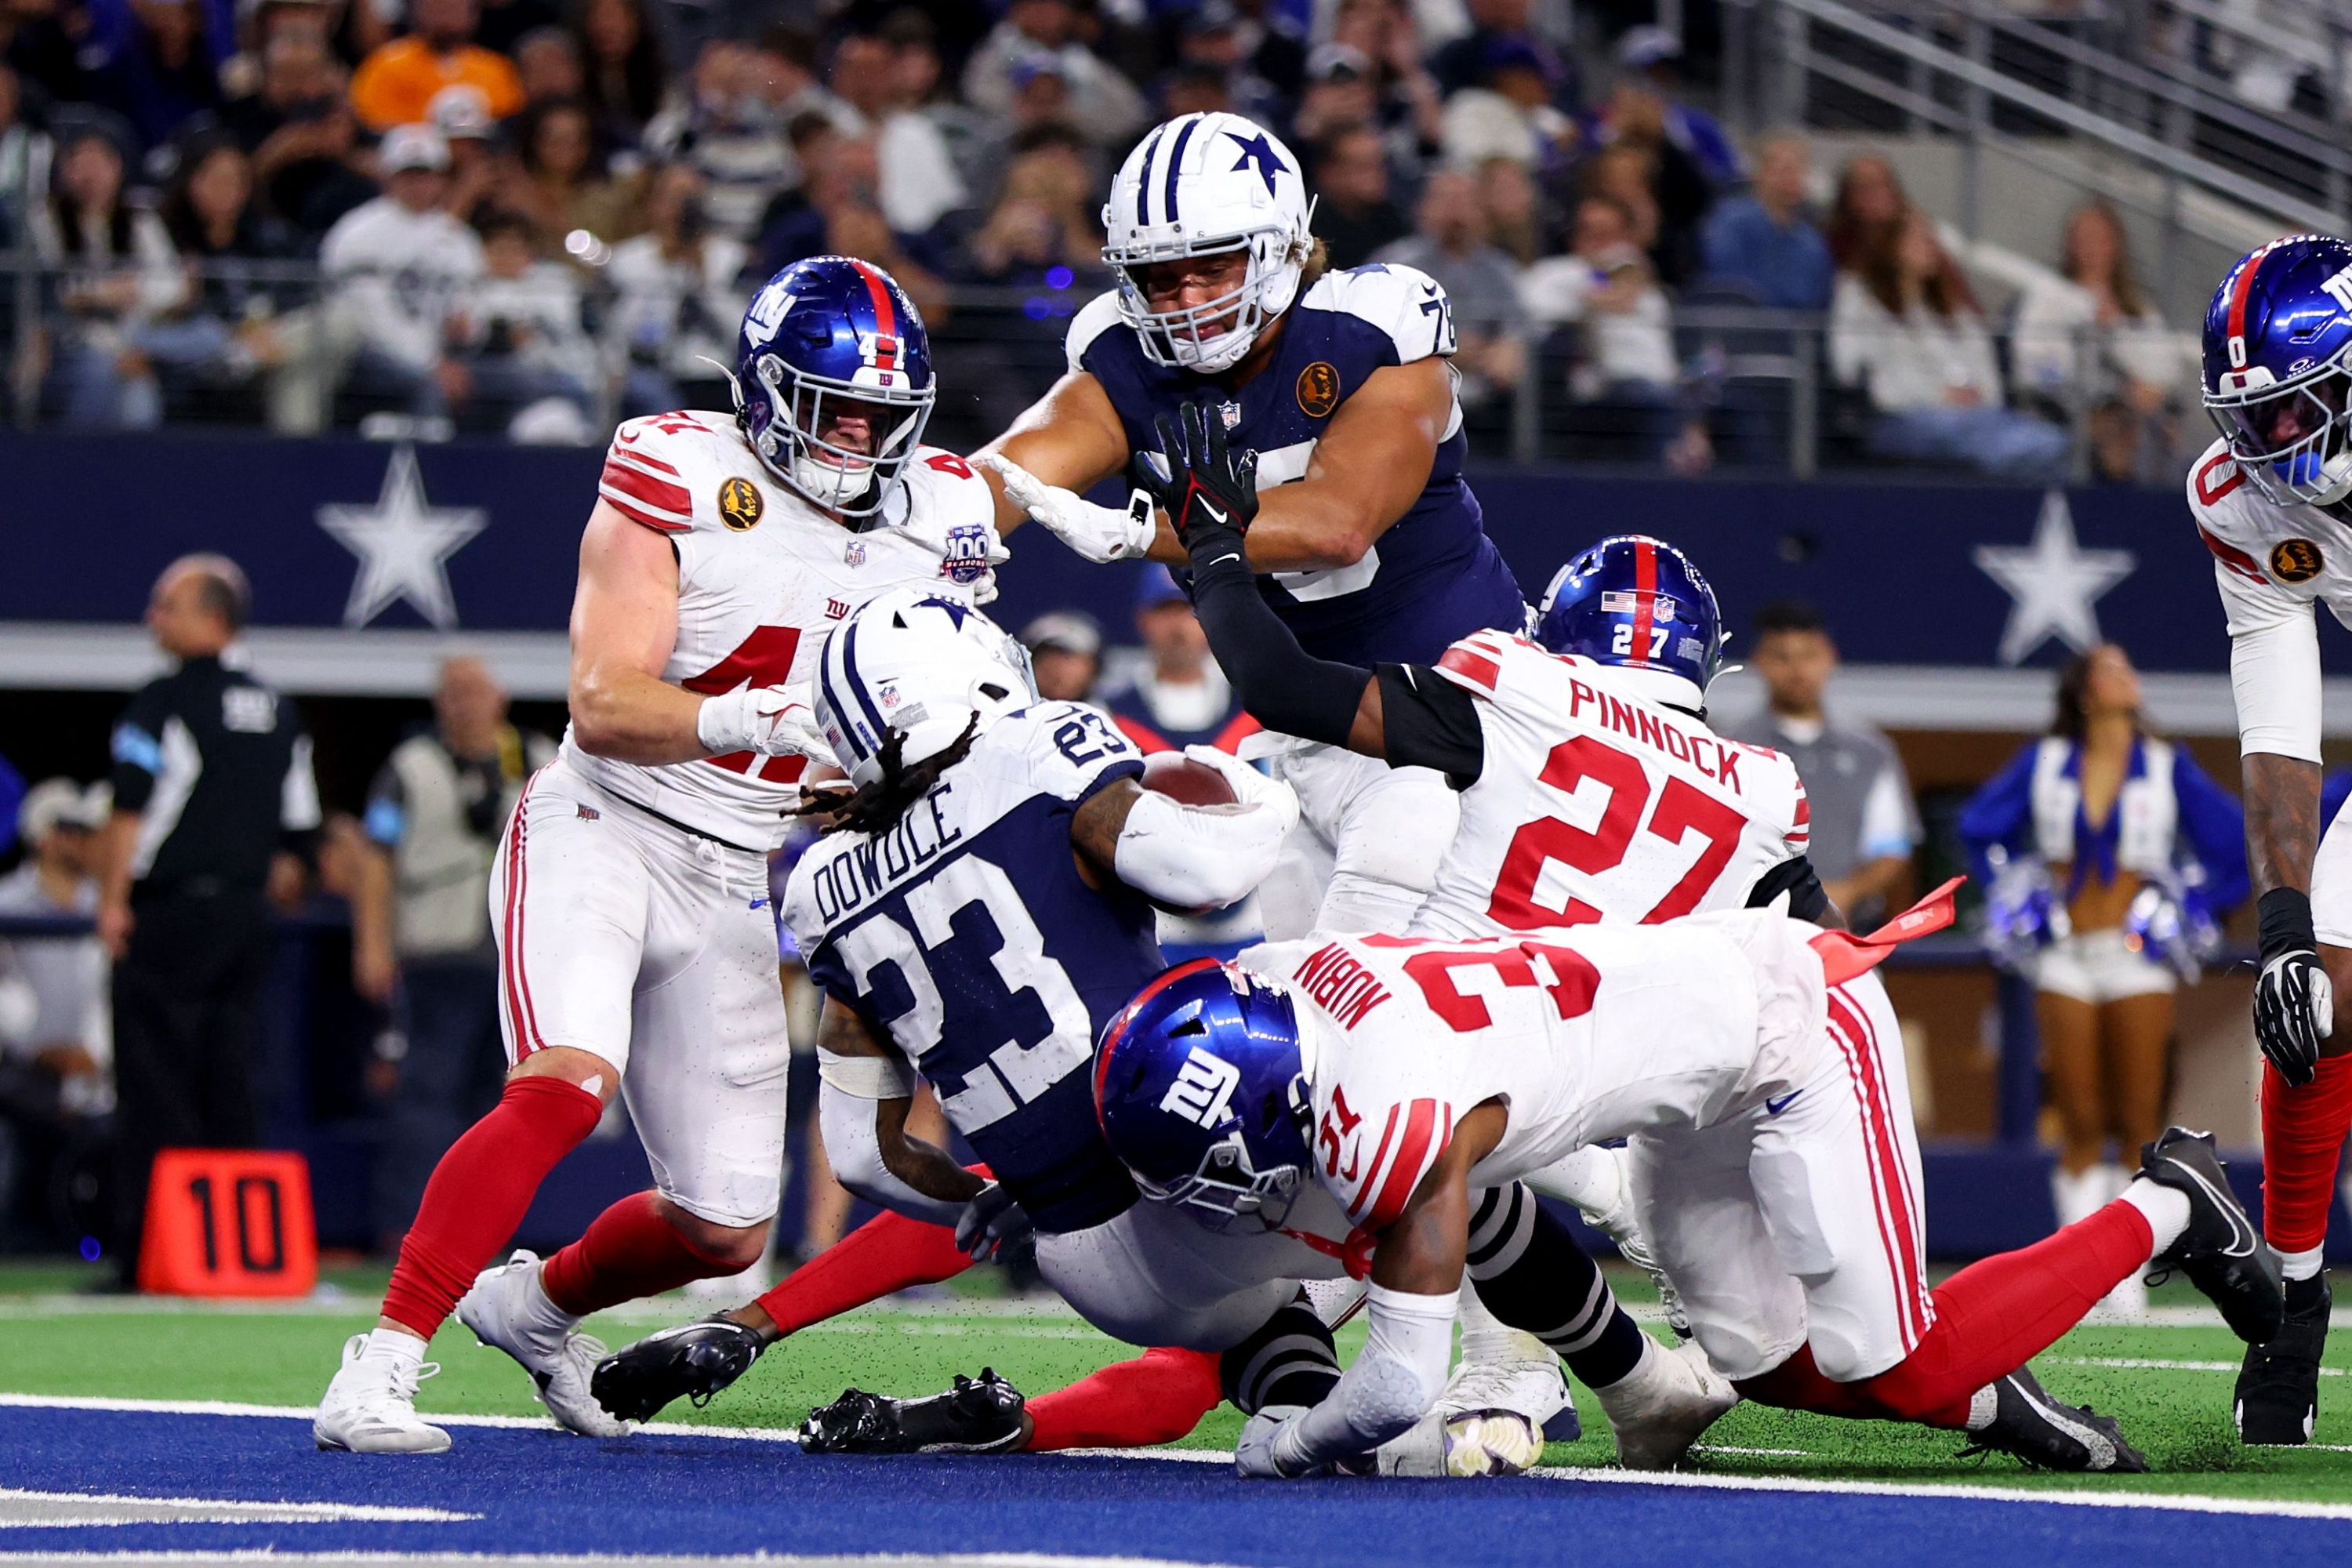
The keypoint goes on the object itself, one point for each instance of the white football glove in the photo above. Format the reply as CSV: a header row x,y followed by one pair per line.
x,y
772,720
1100,534
1251,787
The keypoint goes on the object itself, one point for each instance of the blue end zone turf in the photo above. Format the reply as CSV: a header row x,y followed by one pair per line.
x,y
541,1492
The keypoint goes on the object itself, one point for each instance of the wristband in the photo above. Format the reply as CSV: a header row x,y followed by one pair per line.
x,y
2285,923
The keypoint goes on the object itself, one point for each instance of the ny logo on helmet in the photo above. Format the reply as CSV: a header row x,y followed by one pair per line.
x,y
1203,1089
2339,289
767,313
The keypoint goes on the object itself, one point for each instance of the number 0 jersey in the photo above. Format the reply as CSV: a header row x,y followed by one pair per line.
x,y
1592,803
966,936
1434,575
762,576
1590,1035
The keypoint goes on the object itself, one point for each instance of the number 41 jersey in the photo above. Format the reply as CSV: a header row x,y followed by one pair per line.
x,y
762,576
1593,805
966,936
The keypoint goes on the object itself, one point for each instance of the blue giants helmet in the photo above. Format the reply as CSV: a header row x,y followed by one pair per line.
x,y
1200,1095
826,332
1639,603
2276,340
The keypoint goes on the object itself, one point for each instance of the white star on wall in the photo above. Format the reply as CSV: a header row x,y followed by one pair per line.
x,y
403,543
2054,584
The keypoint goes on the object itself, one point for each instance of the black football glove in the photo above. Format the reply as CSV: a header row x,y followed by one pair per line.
x,y
2295,1002
1207,490
992,1228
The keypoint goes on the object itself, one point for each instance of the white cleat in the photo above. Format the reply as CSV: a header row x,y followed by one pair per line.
x,y
1604,1195
507,1309
371,1405
1488,1422
1658,1410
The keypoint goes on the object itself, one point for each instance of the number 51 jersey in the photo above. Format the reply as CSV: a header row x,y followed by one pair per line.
x,y
966,936
1592,803
762,576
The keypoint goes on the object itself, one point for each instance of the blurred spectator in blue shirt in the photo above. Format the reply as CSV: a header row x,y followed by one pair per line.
x,y
1467,62
157,62
1649,52
1765,241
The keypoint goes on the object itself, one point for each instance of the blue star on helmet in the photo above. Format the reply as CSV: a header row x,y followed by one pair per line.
x,y
956,608
1257,151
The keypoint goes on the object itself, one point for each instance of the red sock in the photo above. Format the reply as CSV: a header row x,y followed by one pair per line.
x,y
480,1193
1157,1397
2302,1138
1798,1383
888,1252
628,1251
1995,1315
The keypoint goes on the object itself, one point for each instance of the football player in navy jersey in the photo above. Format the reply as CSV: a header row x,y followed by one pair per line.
x,y
1369,542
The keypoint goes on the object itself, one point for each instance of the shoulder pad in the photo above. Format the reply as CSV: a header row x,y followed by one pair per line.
x,y
1476,662
1097,317
665,471
1404,304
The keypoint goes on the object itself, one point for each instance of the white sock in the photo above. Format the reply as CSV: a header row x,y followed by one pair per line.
x,y
541,1307
1983,1405
392,1345
2301,1265
2167,1211
1487,1341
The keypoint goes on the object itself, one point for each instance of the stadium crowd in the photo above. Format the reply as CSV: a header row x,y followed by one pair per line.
x,y
536,217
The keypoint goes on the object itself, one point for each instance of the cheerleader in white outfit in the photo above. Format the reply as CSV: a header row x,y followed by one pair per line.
x,y
2108,809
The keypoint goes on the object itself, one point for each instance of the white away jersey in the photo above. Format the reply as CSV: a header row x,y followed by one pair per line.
x,y
1595,804
2272,562
762,576
1590,1034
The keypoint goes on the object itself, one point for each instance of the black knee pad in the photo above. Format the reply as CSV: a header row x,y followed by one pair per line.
x,y
1290,1359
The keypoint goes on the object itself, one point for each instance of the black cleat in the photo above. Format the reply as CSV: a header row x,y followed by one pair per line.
x,y
2220,1250
2278,1388
693,1361
978,1415
2032,1426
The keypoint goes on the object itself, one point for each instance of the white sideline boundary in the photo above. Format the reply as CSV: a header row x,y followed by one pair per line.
x,y
2169,1503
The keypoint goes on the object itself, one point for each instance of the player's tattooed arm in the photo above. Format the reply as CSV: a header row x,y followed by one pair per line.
x,y
2281,821
873,1153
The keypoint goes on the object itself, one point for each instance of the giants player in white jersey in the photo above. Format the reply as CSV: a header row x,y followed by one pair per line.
x,y
636,953
1592,789
1755,1066
2273,502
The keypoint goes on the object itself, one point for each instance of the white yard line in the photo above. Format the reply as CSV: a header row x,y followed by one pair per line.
x,y
2154,1364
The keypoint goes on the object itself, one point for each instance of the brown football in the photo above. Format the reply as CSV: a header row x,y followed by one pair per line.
x,y
1181,779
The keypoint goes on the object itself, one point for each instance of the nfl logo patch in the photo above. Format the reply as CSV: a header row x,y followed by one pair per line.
x,y
1230,413
854,553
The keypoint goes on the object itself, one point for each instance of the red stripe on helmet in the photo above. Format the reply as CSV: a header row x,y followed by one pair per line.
x,y
2238,301
1118,1030
1646,595
885,317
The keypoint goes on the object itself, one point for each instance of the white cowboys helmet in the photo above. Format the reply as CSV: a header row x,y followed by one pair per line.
x,y
920,663
1197,185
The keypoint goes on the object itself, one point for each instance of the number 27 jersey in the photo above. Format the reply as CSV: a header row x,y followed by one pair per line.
x,y
1594,804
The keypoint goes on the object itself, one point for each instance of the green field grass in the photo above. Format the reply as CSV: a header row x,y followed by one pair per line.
x,y
53,1342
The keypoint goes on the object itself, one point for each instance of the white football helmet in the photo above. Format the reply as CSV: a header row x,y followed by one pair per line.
x,y
1200,184
923,664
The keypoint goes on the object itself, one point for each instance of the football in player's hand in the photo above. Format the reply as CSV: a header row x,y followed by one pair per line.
x,y
1186,782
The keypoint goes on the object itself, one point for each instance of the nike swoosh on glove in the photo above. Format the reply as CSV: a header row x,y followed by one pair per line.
x,y
994,1227
1205,486
1100,533
2295,1009
770,720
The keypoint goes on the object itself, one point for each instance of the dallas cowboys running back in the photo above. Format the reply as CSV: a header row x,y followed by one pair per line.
x,y
2272,500
1370,542
982,911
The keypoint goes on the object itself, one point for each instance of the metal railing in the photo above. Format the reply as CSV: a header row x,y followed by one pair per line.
x,y
2073,99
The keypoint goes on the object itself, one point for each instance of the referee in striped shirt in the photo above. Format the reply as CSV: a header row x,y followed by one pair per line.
x,y
214,801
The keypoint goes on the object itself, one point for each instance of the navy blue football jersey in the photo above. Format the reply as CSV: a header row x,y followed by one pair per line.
x,y
966,936
1433,577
